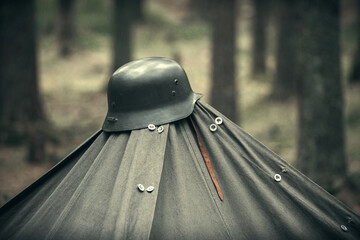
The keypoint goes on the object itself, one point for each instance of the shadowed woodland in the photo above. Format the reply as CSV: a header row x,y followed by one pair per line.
x,y
288,72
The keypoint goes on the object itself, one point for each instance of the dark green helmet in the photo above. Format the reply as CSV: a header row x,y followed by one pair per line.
x,y
148,91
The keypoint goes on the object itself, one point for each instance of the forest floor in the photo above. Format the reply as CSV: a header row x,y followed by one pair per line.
x,y
73,90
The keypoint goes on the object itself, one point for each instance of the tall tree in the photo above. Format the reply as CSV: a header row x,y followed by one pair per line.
x,y
355,68
122,35
320,152
199,9
21,109
259,36
65,26
138,10
224,91
286,58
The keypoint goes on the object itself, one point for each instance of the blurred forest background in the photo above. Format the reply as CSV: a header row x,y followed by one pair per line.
x,y
288,72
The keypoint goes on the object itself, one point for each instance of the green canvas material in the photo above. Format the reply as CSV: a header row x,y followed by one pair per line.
x,y
93,193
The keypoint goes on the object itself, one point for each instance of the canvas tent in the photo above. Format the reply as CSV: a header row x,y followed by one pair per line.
x,y
199,177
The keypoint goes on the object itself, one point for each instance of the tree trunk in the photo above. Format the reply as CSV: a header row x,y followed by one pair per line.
x,y
224,89
286,57
259,36
123,16
20,105
138,10
320,97
355,69
65,27
199,9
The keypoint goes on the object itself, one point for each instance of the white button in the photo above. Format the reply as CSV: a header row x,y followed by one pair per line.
x,y
277,177
213,127
218,120
150,189
141,187
151,127
344,228
160,129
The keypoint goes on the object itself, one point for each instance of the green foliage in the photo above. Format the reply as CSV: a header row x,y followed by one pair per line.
x,y
158,19
196,30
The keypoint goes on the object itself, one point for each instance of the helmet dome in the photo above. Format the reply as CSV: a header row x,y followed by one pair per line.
x,y
148,91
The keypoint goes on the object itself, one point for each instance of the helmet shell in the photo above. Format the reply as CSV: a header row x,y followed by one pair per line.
x,y
148,91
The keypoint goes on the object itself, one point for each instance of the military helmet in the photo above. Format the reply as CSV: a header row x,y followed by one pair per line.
x,y
148,91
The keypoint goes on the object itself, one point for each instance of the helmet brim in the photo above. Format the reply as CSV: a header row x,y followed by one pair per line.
x,y
126,121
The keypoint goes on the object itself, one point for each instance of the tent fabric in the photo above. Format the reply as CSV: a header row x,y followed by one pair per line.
x,y
93,193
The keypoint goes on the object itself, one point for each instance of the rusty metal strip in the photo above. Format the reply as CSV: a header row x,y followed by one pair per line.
x,y
207,162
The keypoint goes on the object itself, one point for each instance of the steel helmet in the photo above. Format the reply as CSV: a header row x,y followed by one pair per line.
x,y
148,91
